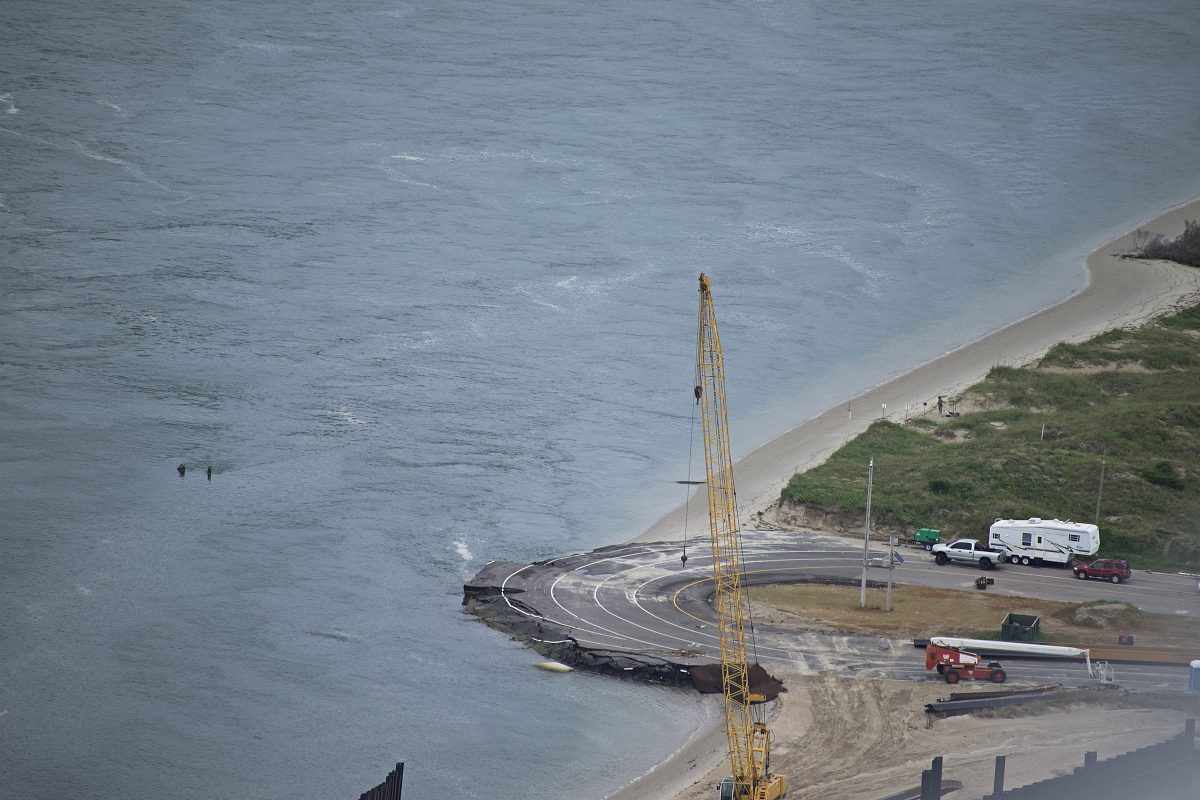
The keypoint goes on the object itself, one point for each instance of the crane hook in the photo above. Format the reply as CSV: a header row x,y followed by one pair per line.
x,y
699,390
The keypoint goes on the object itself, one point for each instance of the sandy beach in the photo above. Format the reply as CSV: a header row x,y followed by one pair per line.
x,y
1120,293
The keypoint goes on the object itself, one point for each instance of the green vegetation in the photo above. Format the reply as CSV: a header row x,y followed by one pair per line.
x,y
1033,442
1185,248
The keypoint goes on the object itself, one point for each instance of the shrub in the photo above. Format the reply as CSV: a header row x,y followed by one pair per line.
x,y
945,488
1163,474
1184,249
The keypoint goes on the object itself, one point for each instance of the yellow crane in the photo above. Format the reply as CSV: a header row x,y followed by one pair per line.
x,y
749,739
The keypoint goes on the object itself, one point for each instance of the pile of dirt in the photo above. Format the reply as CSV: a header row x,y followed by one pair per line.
x,y
787,515
707,680
1099,616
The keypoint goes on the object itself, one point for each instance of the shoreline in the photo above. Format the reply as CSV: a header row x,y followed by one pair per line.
x,y
1119,293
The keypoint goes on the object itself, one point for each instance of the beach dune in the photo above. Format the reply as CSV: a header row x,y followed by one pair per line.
x,y
1121,293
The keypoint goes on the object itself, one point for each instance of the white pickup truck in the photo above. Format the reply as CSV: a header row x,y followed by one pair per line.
x,y
968,551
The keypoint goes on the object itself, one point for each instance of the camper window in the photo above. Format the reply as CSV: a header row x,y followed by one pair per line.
x,y
1026,539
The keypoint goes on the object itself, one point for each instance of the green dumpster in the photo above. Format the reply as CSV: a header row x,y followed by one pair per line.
x,y
1020,628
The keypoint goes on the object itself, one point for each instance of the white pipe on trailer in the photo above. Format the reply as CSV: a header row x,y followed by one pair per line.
x,y
1023,648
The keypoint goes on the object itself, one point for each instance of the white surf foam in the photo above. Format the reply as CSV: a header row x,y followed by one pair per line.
x,y
461,548
346,416
816,243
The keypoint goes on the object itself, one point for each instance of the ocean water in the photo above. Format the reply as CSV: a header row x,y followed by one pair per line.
x,y
417,280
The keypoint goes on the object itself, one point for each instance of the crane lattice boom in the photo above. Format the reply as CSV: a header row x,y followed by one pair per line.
x,y
749,740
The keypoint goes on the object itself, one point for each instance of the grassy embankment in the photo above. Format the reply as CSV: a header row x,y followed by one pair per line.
x,y
1032,442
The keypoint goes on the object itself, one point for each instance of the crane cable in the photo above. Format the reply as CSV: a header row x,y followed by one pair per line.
x,y
687,496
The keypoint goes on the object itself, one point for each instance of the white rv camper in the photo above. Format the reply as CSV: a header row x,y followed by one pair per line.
x,y
1049,541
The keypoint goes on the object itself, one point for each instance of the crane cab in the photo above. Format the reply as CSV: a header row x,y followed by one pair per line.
x,y
774,787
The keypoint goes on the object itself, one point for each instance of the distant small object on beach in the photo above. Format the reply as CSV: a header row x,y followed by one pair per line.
x,y
181,469
553,666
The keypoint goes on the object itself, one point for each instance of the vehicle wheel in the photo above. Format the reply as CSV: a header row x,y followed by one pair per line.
x,y
984,564
1115,579
1081,575
941,668
1025,561
941,559
999,676
952,676
928,547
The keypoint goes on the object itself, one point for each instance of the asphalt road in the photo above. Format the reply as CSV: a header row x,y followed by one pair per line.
x,y
641,598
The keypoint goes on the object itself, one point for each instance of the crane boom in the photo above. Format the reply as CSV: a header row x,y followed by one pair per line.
x,y
749,740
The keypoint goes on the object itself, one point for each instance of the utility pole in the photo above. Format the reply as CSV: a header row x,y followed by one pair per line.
x,y
891,568
862,594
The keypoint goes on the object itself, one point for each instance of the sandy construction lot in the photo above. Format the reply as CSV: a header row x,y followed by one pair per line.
x,y
858,739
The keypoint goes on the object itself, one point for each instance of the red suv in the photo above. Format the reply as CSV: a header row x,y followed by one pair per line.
x,y
1109,569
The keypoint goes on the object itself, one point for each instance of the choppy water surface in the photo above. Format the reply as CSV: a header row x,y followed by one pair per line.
x,y
417,280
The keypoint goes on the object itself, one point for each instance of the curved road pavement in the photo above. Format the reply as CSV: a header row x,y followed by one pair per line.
x,y
640,599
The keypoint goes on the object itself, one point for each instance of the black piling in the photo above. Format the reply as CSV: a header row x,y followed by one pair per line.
x,y
931,781
390,789
998,778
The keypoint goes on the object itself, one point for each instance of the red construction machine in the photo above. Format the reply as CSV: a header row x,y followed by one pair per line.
x,y
956,664
951,657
